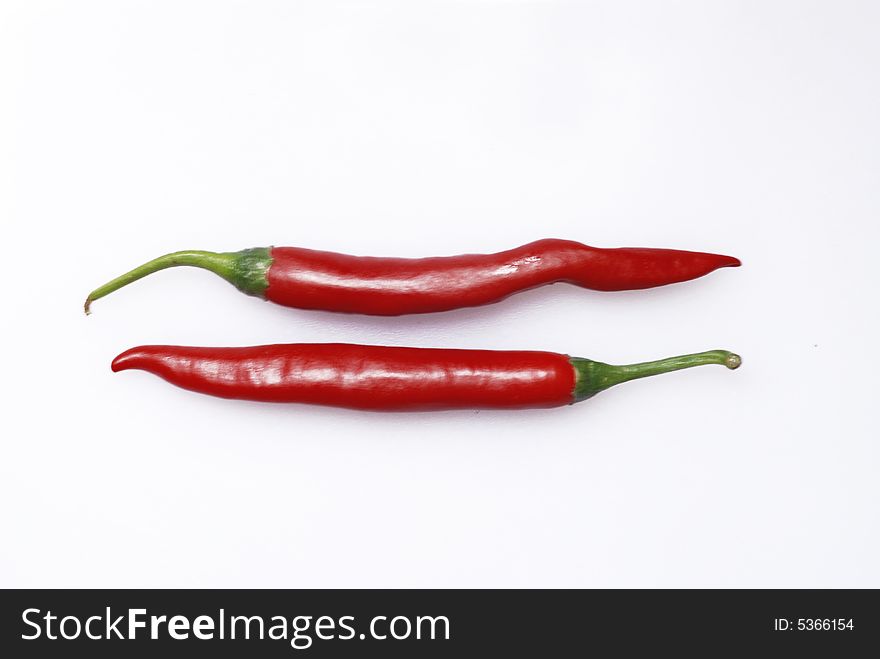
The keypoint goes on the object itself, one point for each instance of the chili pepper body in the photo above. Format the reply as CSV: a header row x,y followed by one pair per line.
x,y
311,279
394,378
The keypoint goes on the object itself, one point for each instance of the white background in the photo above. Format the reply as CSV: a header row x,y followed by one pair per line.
x,y
130,129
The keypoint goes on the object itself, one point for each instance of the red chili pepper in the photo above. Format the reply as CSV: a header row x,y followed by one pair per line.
x,y
390,378
310,279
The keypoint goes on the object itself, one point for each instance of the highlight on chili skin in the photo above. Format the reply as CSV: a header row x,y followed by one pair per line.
x,y
381,378
312,279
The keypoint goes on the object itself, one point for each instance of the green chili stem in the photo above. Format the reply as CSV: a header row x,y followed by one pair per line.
x,y
246,270
593,377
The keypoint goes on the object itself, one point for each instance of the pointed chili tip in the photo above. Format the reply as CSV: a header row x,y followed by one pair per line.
x,y
125,361
731,262
733,361
724,261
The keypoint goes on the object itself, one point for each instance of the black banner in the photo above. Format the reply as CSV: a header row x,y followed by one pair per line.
x,y
427,623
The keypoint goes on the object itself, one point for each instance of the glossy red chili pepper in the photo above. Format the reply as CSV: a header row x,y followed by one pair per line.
x,y
310,279
391,378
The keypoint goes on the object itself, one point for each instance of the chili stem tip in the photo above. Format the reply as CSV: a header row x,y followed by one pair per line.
x,y
733,361
246,270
